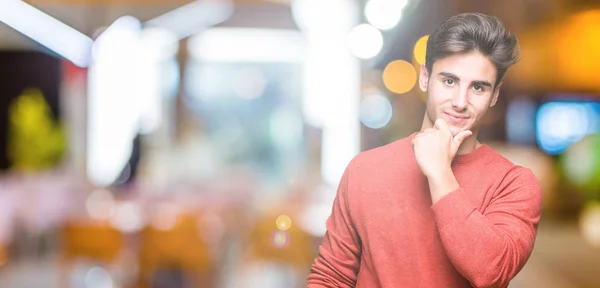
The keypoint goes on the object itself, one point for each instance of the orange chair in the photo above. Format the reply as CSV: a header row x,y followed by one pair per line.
x,y
180,246
293,246
98,241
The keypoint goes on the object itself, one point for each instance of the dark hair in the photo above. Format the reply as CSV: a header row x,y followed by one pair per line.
x,y
468,32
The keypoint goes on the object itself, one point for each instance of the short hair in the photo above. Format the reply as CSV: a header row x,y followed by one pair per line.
x,y
468,32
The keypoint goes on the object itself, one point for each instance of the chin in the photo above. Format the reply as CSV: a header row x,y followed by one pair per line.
x,y
455,130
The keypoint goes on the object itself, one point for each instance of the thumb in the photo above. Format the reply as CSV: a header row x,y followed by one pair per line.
x,y
460,137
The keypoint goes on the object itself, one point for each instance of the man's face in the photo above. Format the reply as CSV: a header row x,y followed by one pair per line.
x,y
460,90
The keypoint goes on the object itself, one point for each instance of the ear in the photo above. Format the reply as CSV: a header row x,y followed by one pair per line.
x,y
496,94
423,78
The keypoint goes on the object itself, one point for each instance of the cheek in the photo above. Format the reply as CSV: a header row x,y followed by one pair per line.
x,y
480,107
438,95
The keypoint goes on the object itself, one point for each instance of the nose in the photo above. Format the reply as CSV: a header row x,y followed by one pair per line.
x,y
459,101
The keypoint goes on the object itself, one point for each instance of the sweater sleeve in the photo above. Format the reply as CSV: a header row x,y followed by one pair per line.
x,y
339,253
490,248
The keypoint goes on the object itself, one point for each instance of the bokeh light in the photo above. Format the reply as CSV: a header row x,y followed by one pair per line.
x,y
559,124
365,41
399,76
100,204
283,222
375,111
318,14
166,217
420,49
127,217
590,224
581,164
280,239
384,14
98,278
159,43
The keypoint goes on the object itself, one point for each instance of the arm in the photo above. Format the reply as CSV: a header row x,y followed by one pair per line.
x,y
489,248
339,254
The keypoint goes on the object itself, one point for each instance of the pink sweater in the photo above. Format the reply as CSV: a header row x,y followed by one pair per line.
x,y
384,231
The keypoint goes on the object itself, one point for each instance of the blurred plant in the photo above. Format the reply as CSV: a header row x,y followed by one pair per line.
x,y
35,141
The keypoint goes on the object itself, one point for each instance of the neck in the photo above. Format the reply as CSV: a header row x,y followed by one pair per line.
x,y
468,145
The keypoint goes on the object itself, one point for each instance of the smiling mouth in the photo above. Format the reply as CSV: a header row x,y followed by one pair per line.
x,y
456,117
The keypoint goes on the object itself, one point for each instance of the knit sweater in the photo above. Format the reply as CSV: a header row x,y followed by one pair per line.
x,y
384,230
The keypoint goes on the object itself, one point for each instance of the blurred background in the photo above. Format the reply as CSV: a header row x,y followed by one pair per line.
x,y
178,143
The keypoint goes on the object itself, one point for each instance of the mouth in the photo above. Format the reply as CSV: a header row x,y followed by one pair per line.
x,y
456,117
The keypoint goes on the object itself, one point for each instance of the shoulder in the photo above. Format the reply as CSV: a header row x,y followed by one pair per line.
x,y
515,181
509,170
384,157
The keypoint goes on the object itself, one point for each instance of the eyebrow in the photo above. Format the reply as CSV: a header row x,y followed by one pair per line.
x,y
473,83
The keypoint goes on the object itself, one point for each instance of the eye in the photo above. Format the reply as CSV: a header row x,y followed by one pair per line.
x,y
478,88
449,82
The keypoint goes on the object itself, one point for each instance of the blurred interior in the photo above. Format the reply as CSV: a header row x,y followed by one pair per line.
x,y
171,143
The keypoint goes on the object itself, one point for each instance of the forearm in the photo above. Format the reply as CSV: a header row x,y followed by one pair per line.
x,y
330,272
441,184
488,252
339,253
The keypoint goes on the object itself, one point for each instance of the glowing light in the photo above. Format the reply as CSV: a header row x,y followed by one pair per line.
x,y
578,162
194,17
399,76
590,224
420,49
384,14
128,217
283,222
113,115
100,204
323,15
160,44
559,124
280,239
375,111
330,70
46,30
98,278
166,216
581,165
365,41
259,45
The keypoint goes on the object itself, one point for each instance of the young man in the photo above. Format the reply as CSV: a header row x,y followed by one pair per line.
x,y
438,208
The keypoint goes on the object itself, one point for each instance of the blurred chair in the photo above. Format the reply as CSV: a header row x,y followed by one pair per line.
x,y
178,247
291,251
91,240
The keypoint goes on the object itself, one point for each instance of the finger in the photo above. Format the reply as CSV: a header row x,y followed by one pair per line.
x,y
429,130
460,137
441,125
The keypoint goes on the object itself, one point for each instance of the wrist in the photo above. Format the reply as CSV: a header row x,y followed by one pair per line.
x,y
440,174
442,183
